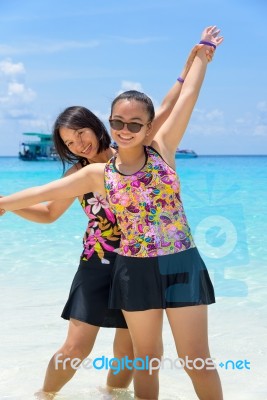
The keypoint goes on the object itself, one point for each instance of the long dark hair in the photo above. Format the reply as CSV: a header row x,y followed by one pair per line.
x,y
137,96
77,117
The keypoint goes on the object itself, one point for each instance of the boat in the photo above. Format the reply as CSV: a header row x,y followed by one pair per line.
x,y
41,148
185,154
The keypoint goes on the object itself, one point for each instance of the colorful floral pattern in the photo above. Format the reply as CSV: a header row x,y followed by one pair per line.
x,y
148,208
102,235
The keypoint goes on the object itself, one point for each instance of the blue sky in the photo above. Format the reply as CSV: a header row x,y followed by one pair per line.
x,y
54,54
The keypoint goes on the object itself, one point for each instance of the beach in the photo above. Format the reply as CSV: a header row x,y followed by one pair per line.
x,y
225,199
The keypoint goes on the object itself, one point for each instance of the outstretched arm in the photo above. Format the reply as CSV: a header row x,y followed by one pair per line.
x,y
171,132
49,212
88,179
44,213
172,96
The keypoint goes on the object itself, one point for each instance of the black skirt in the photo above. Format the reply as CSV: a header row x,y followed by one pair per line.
x,y
89,296
174,280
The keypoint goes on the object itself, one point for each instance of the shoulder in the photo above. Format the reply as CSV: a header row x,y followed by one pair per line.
x,y
163,153
74,168
154,146
96,169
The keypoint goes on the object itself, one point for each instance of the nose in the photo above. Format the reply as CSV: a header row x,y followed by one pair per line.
x,y
78,143
125,128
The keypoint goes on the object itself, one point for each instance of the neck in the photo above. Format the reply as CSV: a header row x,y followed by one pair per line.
x,y
131,160
102,157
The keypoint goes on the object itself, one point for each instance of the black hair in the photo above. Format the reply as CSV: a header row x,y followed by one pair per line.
x,y
137,96
77,117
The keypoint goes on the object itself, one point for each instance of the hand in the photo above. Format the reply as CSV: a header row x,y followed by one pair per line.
x,y
210,34
2,211
209,54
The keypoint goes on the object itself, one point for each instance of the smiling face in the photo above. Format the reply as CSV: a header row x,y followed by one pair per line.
x,y
78,133
130,111
81,142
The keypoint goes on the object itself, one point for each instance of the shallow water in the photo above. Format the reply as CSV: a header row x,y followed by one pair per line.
x,y
226,203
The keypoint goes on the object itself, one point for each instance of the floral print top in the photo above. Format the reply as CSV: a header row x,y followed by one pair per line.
x,y
148,208
102,235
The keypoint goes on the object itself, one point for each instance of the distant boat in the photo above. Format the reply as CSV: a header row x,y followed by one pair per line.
x,y
41,149
185,154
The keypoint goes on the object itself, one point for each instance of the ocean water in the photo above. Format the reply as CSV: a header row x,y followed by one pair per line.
x,y
226,203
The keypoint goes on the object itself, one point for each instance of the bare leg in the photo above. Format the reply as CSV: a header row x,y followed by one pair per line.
x,y
190,332
146,331
79,343
122,346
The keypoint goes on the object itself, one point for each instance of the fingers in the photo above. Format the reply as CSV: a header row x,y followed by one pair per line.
x,y
212,29
198,47
219,40
209,51
193,53
216,33
2,211
210,54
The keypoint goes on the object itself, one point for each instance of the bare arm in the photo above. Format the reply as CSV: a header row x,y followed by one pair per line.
x,y
49,212
45,213
172,96
170,99
172,131
88,179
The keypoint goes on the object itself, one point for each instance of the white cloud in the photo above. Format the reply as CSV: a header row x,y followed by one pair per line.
x,y
129,85
47,47
262,106
18,113
14,94
15,88
141,40
253,122
205,129
102,116
214,115
67,45
36,123
20,92
260,130
207,123
17,94
9,68
214,122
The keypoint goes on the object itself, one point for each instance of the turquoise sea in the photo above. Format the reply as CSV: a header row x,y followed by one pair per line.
x,y
225,199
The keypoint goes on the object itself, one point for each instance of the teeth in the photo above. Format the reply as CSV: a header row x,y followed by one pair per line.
x,y
85,150
125,137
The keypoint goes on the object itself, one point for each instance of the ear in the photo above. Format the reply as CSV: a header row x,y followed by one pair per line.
x,y
149,128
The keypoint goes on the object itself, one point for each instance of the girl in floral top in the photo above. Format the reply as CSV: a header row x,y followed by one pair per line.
x,y
157,252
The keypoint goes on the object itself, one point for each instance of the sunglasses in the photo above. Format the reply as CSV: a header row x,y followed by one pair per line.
x,y
118,125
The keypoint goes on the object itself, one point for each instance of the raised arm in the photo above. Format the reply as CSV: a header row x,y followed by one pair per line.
x,y
88,179
170,134
172,96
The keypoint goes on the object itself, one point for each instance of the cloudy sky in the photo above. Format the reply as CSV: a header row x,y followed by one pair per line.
x,y
54,54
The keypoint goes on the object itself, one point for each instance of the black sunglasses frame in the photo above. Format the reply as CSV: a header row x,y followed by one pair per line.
x,y
133,127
